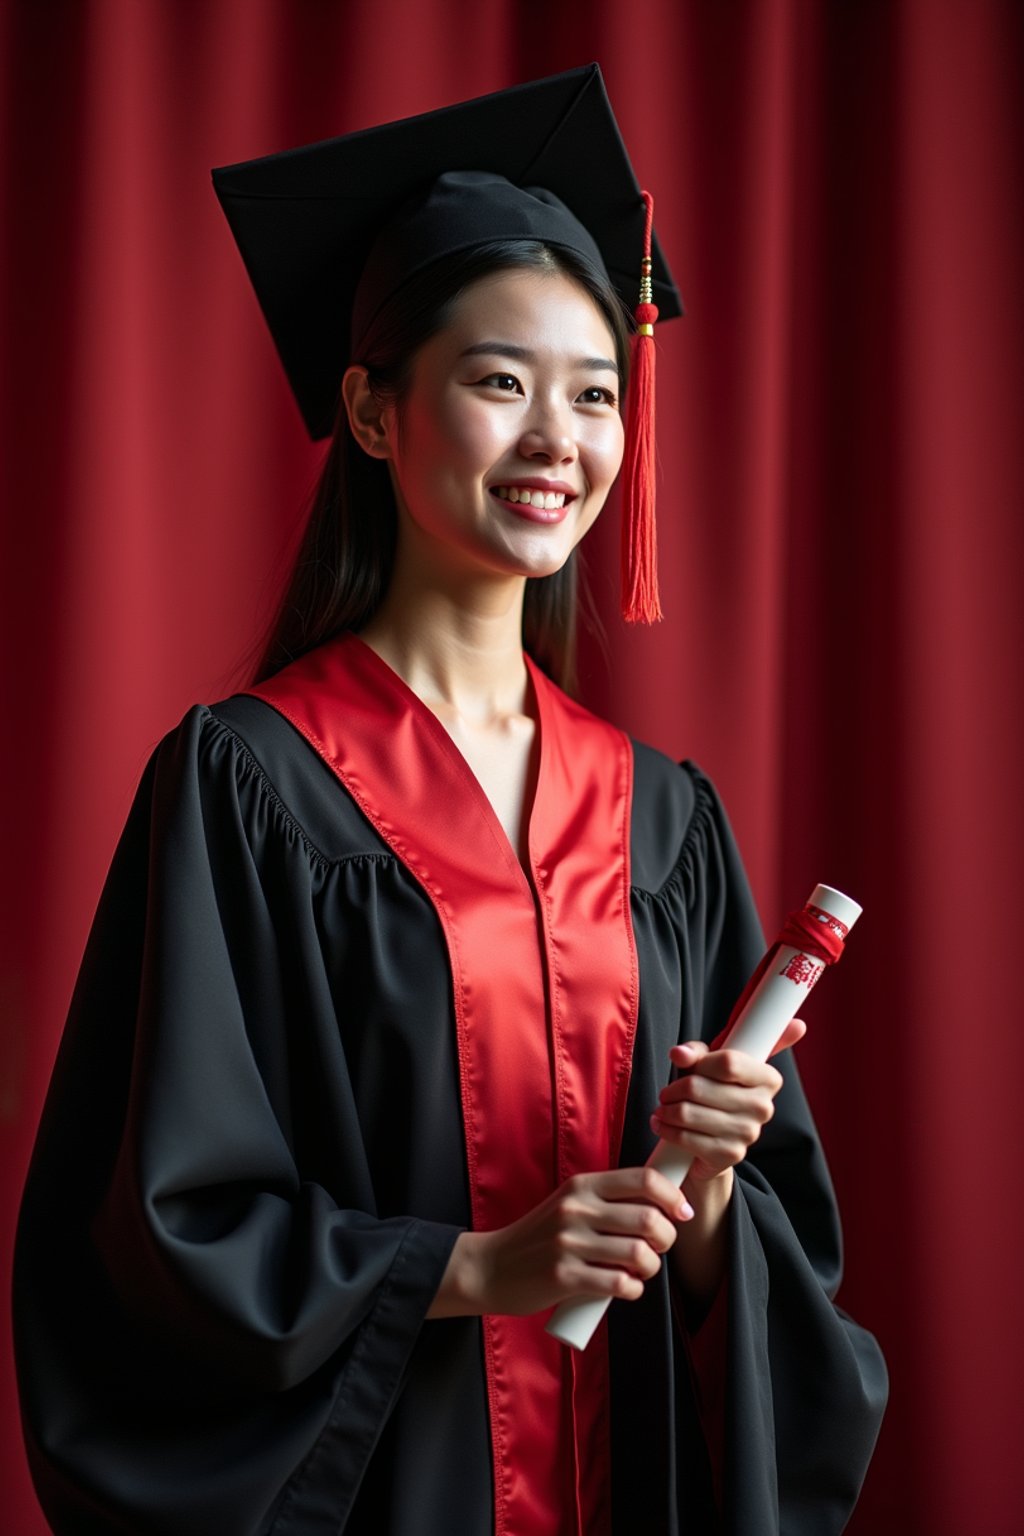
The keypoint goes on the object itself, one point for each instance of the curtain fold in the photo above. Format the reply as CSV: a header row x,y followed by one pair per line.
x,y
838,188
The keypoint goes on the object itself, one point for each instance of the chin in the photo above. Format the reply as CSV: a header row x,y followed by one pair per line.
x,y
537,569
538,557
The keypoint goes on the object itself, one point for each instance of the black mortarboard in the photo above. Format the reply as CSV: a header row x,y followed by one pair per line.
x,y
306,221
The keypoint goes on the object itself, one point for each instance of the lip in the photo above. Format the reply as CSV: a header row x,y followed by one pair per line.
x,y
525,510
531,514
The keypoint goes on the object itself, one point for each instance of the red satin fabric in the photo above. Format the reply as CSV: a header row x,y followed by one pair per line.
x,y
544,980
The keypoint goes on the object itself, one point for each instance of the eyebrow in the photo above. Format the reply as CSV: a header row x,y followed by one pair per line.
x,y
524,355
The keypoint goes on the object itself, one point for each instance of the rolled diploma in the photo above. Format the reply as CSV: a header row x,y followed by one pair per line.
x,y
773,1003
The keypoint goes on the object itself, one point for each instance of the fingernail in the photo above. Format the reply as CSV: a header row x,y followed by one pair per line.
x,y
685,1210
655,1123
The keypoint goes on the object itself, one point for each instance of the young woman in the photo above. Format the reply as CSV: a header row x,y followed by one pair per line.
x,y
372,1035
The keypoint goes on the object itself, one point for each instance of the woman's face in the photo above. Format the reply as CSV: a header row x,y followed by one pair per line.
x,y
508,438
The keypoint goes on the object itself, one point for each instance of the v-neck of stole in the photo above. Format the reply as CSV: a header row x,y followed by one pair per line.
x,y
461,767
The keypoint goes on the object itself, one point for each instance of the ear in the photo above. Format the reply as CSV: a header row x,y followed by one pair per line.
x,y
366,416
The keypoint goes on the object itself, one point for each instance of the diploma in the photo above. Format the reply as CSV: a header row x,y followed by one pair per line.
x,y
810,940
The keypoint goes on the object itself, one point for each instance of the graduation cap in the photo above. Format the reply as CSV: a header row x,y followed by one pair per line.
x,y
330,231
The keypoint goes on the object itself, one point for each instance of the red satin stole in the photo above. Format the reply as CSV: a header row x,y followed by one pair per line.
x,y
544,979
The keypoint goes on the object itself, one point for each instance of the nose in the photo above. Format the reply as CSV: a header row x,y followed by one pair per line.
x,y
548,435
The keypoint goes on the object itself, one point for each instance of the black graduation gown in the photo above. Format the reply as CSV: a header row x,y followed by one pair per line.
x,y
250,1173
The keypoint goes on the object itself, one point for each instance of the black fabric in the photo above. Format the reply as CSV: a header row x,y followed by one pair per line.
x,y
306,220
250,1174
455,212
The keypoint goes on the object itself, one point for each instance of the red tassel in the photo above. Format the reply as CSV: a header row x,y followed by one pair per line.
x,y
640,600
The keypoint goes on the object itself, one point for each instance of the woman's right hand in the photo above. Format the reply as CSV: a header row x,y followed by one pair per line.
x,y
598,1235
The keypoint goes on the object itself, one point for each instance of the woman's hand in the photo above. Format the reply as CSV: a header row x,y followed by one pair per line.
x,y
600,1234
603,1234
719,1106
715,1111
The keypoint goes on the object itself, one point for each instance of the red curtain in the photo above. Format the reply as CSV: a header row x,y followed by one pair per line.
x,y
839,187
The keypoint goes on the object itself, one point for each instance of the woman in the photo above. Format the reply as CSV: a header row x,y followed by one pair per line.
x,y
370,1042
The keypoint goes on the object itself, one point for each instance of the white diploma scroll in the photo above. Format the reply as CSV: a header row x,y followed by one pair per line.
x,y
775,1000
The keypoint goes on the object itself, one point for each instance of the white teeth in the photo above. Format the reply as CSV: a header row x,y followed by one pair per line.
x,y
548,501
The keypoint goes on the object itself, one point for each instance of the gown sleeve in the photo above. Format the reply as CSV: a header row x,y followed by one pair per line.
x,y
779,1443
805,1385
203,1286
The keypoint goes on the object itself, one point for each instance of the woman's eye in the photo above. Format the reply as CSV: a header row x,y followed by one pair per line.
x,y
598,395
503,381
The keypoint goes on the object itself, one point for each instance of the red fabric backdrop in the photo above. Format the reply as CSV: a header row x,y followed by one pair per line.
x,y
840,190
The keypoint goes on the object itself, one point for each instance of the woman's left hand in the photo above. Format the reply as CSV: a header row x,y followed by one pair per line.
x,y
718,1108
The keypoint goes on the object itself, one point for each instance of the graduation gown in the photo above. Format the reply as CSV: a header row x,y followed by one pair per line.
x,y
304,1054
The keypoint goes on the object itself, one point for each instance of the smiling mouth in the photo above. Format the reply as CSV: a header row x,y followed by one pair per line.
x,y
542,501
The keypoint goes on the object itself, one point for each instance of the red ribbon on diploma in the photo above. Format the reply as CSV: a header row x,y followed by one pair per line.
x,y
808,929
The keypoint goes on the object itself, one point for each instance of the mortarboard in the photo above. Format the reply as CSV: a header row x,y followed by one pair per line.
x,y
330,230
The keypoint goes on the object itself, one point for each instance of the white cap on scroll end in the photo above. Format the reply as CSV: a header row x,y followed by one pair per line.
x,y
835,904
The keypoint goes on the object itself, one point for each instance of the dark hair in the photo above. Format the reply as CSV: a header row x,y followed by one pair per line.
x,y
346,557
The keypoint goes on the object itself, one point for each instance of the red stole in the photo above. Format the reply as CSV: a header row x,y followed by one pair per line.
x,y
544,979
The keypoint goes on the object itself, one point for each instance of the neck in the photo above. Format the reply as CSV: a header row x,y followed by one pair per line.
x,y
457,646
